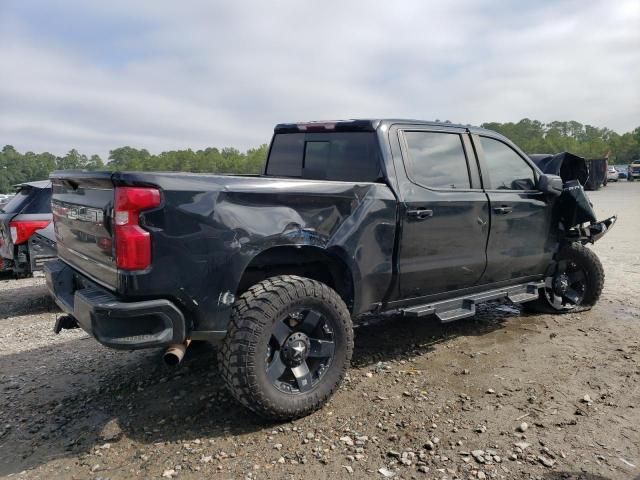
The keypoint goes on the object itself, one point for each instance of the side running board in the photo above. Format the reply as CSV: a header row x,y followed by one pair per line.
x,y
465,306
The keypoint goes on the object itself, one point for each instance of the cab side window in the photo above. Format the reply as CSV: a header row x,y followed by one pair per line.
x,y
507,170
436,160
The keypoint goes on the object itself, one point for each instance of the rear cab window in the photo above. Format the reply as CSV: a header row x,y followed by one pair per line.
x,y
340,156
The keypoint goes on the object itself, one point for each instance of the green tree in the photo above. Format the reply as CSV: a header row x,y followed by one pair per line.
x,y
73,160
95,163
558,136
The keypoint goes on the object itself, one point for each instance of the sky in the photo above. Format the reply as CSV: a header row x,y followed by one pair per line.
x,y
193,74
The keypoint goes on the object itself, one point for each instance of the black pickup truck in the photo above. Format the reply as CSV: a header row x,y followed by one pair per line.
x,y
347,218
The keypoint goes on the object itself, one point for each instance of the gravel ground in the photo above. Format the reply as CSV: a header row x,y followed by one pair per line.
x,y
501,395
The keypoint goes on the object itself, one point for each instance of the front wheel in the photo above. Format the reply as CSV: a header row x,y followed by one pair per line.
x,y
577,282
288,347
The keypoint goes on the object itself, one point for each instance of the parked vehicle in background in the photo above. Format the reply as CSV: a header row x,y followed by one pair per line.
x,y
348,218
612,174
622,174
633,170
27,212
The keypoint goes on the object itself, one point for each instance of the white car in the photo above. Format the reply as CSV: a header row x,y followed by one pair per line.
x,y
612,174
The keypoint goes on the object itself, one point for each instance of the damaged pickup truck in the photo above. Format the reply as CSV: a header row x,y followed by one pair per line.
x,y
347,218
25,229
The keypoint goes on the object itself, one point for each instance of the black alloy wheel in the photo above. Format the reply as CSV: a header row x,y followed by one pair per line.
x,y
576,282
565,290
288,346
300,351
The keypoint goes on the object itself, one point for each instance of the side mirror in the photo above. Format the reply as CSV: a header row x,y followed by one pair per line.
x,y
551,184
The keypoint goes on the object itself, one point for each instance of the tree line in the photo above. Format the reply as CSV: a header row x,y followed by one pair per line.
x,y
212,160
16,167
532,136
586,141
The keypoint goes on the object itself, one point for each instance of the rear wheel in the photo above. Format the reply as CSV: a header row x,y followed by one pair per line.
x,y
577,282
288,347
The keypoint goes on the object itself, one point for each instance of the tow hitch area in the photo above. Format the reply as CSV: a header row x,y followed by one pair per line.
x,y
65,322
592,232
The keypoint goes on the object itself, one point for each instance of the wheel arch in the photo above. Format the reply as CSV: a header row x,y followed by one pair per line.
x,y
329,266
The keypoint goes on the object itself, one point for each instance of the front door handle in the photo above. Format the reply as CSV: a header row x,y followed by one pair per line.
x,y
420,213
502,210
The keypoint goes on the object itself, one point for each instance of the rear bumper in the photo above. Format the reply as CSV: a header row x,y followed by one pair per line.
x,y
116,324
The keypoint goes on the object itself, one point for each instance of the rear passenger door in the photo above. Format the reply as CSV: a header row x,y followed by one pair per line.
x,y
444,212
518,243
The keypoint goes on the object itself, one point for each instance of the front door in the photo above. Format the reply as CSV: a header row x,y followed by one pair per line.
x,y
519,242
445,220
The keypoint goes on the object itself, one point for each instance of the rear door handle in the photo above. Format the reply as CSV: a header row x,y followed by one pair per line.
x,y
502,210
420,213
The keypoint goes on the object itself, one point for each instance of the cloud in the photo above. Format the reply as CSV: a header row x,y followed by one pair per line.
x,y
167,75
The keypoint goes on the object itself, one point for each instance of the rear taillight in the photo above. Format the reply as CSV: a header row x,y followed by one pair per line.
x,y
21,230
133,244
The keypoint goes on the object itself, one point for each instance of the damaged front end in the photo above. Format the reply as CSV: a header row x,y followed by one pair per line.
x,y
590,233
574,212
578,222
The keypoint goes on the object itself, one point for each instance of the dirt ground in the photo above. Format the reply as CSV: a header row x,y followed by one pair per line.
x,y
422,400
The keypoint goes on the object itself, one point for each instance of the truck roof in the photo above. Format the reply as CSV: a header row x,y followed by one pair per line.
x,y
365,125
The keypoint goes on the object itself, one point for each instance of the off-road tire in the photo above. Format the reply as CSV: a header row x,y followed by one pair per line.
x,y
594,282
242,355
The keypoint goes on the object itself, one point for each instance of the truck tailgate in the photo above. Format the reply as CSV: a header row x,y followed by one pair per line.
x,y
82,204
